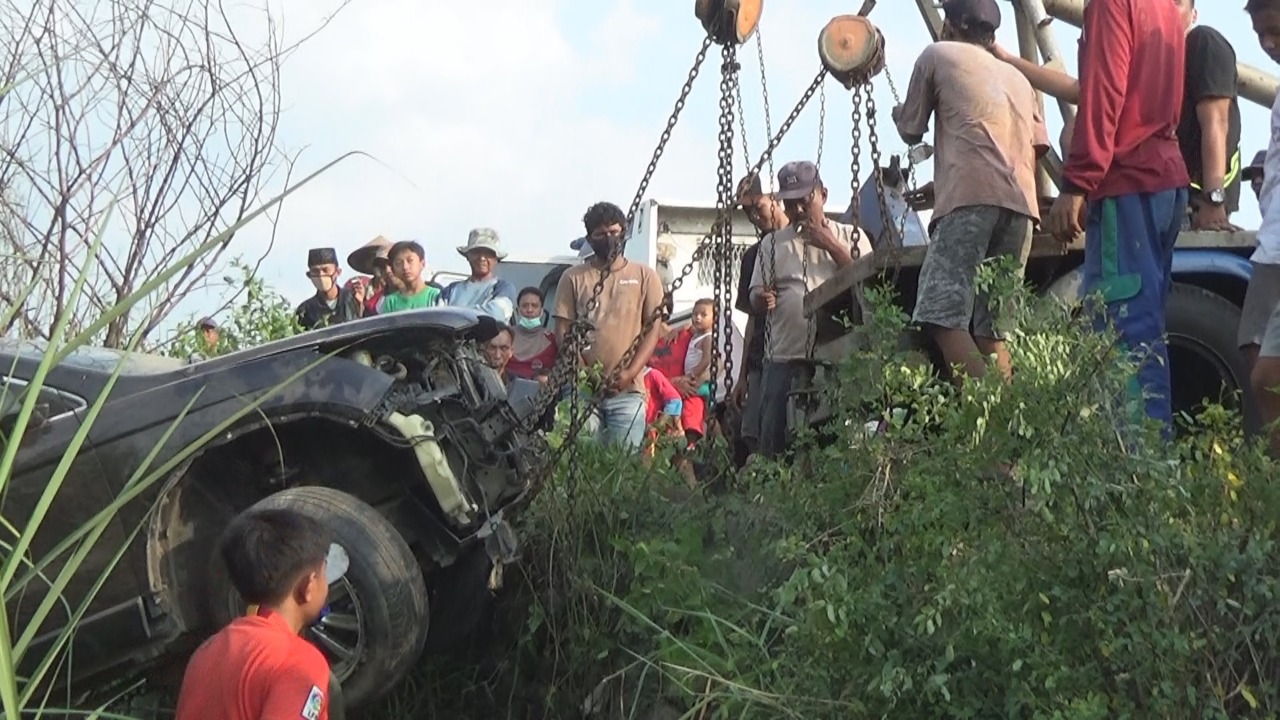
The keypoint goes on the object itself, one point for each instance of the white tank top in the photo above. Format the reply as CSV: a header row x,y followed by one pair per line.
x,y
693,357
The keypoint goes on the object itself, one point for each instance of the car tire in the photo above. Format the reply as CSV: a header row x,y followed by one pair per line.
x,y
1202,328
379,609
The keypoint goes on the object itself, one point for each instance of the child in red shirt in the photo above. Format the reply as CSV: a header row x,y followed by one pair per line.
x,y
684,356
258,667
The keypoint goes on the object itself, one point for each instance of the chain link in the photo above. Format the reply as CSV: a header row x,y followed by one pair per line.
x,y
910,176
724,205
822,123
855,157
764,89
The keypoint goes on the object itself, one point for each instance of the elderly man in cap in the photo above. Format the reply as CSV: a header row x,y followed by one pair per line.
x,y
989,135
209,333
791,262
331,303
484,291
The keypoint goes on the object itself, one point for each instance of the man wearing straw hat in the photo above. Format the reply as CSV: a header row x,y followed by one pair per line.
x,y
373,259
483,291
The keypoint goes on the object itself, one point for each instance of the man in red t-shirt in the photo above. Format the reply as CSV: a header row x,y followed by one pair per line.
x,y
1125,181
258,667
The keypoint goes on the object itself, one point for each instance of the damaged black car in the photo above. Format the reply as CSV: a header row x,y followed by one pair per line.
x,y
391,430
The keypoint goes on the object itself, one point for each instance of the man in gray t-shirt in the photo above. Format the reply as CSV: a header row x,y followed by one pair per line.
x,y
791,263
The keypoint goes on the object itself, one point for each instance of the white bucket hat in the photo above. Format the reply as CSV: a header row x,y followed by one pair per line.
x,y
482,238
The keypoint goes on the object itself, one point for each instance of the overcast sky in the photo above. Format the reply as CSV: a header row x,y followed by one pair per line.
x,y
519,114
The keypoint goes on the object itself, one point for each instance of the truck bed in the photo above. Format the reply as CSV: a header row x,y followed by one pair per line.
x,y
837,289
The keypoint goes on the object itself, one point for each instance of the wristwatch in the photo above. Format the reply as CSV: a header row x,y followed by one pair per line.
x,y
1216,197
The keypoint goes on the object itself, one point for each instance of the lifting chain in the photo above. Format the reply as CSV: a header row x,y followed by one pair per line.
x,y
822,123
764,89
729,88
877,176
705,245
565,371
855,162
910,176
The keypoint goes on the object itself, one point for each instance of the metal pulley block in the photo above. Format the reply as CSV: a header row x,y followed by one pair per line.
x,y
851,49
729,21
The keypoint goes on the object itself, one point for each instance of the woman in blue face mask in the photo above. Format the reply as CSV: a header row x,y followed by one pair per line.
x,y
534,349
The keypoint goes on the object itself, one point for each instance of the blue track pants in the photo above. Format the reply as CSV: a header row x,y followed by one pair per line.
x,y
1128,257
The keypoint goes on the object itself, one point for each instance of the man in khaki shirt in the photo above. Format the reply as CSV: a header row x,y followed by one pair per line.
x,y
631,295
989,135
790,263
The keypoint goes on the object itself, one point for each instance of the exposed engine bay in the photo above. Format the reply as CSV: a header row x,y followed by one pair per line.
x,y
451,409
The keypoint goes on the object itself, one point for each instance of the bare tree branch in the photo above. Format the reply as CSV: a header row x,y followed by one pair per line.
x,y
166,110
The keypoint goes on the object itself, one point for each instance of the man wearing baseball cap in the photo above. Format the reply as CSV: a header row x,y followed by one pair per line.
x,y
989,135
483,291
802,255
210,334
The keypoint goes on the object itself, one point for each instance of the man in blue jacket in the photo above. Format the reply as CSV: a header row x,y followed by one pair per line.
x,y
484,291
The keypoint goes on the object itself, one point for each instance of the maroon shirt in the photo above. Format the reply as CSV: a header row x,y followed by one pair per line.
x,y
1132,68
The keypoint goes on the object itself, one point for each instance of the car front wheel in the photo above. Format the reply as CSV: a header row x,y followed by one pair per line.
x,y
377,616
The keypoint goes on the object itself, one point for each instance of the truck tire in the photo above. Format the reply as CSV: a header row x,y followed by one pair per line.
x,y
1204,359
379,613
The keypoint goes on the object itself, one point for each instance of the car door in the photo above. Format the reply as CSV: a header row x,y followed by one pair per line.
x,y
83,494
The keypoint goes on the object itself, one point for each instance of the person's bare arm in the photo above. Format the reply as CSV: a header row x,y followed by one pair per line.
x,y
702,372
643,353
1213,114
652,312
912,116
825,236
751,329
1047,80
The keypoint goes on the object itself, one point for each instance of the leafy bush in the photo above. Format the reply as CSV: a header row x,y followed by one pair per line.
x,y
1000,549
259,314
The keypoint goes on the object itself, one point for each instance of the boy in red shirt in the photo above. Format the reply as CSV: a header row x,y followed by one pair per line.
x,y
258,667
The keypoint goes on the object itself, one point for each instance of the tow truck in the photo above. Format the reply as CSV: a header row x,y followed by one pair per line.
x,y
1211,270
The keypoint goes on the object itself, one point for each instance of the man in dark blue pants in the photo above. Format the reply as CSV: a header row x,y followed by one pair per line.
x,y
1126,161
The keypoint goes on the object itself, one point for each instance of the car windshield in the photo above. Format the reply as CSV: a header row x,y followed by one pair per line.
x,y
98,359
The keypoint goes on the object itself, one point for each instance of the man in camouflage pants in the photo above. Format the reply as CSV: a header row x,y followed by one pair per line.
x,y
989,133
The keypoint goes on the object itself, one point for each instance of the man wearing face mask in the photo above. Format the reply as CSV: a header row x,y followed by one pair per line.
x,y
804,254
332,303
630,296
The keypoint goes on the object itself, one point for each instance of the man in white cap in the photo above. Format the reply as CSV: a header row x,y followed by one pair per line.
x,y
484,291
